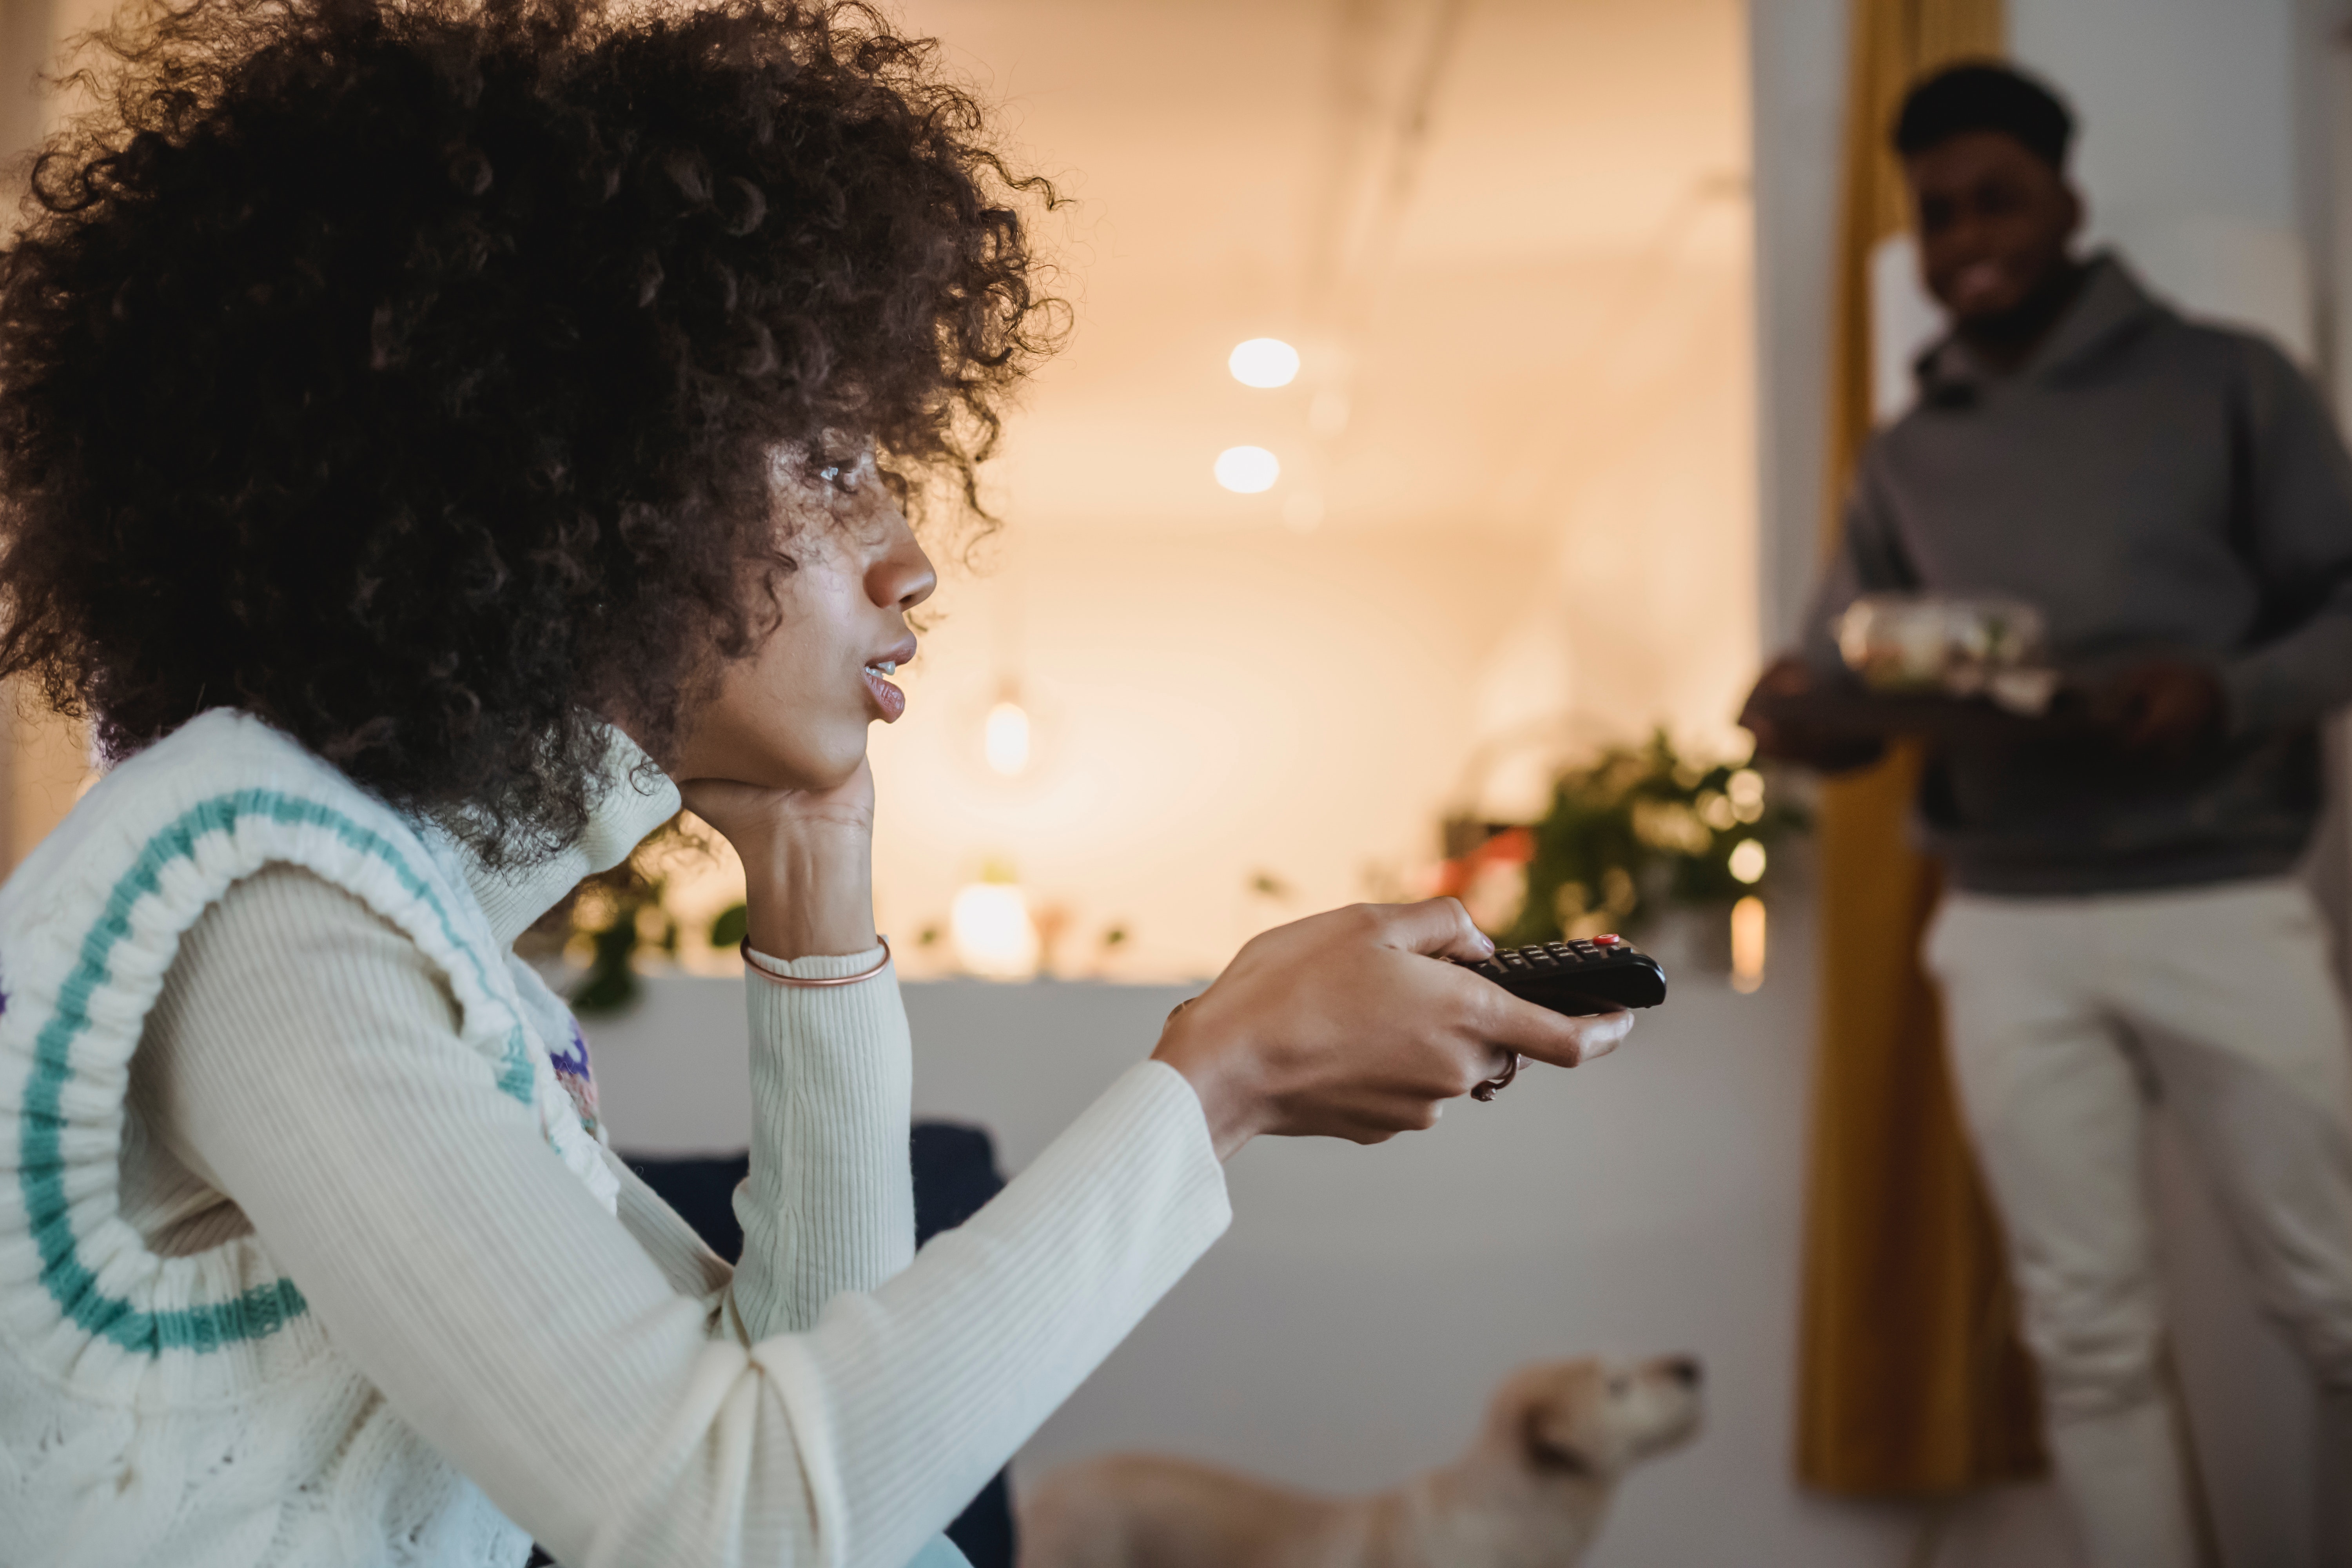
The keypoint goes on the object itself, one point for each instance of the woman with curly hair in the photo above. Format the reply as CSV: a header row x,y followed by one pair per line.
x,y
428,428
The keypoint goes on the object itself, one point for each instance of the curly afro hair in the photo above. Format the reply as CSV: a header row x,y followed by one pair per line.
x,y
411,373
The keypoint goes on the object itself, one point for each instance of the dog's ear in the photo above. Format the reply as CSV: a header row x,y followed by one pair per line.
x,y
1553,1446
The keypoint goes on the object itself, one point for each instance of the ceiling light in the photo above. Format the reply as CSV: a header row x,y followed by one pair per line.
x,y
1263,362
1248,469
1006,737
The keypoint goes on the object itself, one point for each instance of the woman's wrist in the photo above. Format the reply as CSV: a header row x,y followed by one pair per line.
x,y
1229,1106
809,891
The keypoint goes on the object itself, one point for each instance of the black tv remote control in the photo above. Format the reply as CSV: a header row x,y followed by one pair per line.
x,y
1577,978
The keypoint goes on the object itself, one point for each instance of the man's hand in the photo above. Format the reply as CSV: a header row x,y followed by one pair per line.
x,y
1795,742
2168,709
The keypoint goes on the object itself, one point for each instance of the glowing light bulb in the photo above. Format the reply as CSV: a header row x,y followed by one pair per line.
x,y
1747,861
1246,471
1006,739
994,936
1748,943
1746,790
1263,362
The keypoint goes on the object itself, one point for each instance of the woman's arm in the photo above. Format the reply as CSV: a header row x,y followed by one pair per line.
x,y
304,1059
829,1202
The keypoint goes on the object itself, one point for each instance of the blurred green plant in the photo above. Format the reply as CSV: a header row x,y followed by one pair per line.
x,y
1641,829
730,926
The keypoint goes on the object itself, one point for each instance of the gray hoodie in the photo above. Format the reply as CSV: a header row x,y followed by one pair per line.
x,y
2155,486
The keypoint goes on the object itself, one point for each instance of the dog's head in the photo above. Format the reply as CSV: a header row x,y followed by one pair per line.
x,y
1596,1418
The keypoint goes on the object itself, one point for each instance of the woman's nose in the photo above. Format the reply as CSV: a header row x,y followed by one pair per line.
x,y
903,577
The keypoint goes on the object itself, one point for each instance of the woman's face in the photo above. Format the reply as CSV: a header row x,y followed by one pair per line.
x,y
794,714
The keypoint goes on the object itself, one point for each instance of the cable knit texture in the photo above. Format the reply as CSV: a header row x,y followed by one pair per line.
x,y
305,1256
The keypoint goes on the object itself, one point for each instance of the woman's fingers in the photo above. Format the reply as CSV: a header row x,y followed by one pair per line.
x,y
1441,928
1351,1024
1548,1037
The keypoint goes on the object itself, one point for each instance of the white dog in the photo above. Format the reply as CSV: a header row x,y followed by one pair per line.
x,y
1529,1494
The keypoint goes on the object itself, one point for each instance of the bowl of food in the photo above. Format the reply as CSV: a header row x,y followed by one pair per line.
x,y
1919,644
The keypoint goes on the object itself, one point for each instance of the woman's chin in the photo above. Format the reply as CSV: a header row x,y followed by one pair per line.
x,y
802,764
820,776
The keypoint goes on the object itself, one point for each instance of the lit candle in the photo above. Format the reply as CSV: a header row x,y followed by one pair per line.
x,y
1748,945
994,936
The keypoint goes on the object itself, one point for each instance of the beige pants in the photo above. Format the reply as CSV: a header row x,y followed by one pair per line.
x,y
2066,1017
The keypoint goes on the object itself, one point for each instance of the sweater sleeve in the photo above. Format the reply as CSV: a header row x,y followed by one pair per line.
x,y
303,1058
829,1202
2295,528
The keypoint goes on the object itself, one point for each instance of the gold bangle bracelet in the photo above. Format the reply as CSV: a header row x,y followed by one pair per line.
x,y
773,978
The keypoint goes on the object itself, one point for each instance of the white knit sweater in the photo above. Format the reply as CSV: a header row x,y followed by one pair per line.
x,y
305,1258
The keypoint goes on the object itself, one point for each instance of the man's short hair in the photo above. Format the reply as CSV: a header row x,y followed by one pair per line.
x,y
1984,96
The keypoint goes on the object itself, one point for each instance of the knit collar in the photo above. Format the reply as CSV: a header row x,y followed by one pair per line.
x,y
629,798
2110,302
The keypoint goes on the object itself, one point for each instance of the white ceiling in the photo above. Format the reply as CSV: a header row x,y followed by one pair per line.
x,y
1492,297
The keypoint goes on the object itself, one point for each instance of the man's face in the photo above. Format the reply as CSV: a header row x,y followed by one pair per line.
x,y
1994,223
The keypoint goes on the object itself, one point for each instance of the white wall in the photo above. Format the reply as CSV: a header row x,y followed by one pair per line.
x,y
2189,147
2186,105
1797,60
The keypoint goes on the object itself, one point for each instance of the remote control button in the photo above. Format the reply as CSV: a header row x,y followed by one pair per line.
x,y
1610,941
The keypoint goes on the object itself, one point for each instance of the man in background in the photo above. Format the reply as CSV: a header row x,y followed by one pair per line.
x,y
2122,918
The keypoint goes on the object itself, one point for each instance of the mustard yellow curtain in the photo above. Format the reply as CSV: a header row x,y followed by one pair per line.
x,y
1911,1380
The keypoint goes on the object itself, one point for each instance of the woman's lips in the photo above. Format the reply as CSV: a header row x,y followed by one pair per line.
x,y
888,698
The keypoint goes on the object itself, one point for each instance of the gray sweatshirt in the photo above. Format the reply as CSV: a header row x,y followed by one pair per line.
x,y
2153,485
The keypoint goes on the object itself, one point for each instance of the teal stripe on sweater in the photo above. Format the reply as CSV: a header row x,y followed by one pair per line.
x,y
266,1309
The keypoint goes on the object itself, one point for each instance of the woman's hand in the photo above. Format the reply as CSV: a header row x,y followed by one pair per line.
x,y
1347,1024
808,860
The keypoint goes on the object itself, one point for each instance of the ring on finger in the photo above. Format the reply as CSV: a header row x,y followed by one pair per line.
x,y
1500,1081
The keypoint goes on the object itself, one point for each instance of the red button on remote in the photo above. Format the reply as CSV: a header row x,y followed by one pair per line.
x,y
1607,940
